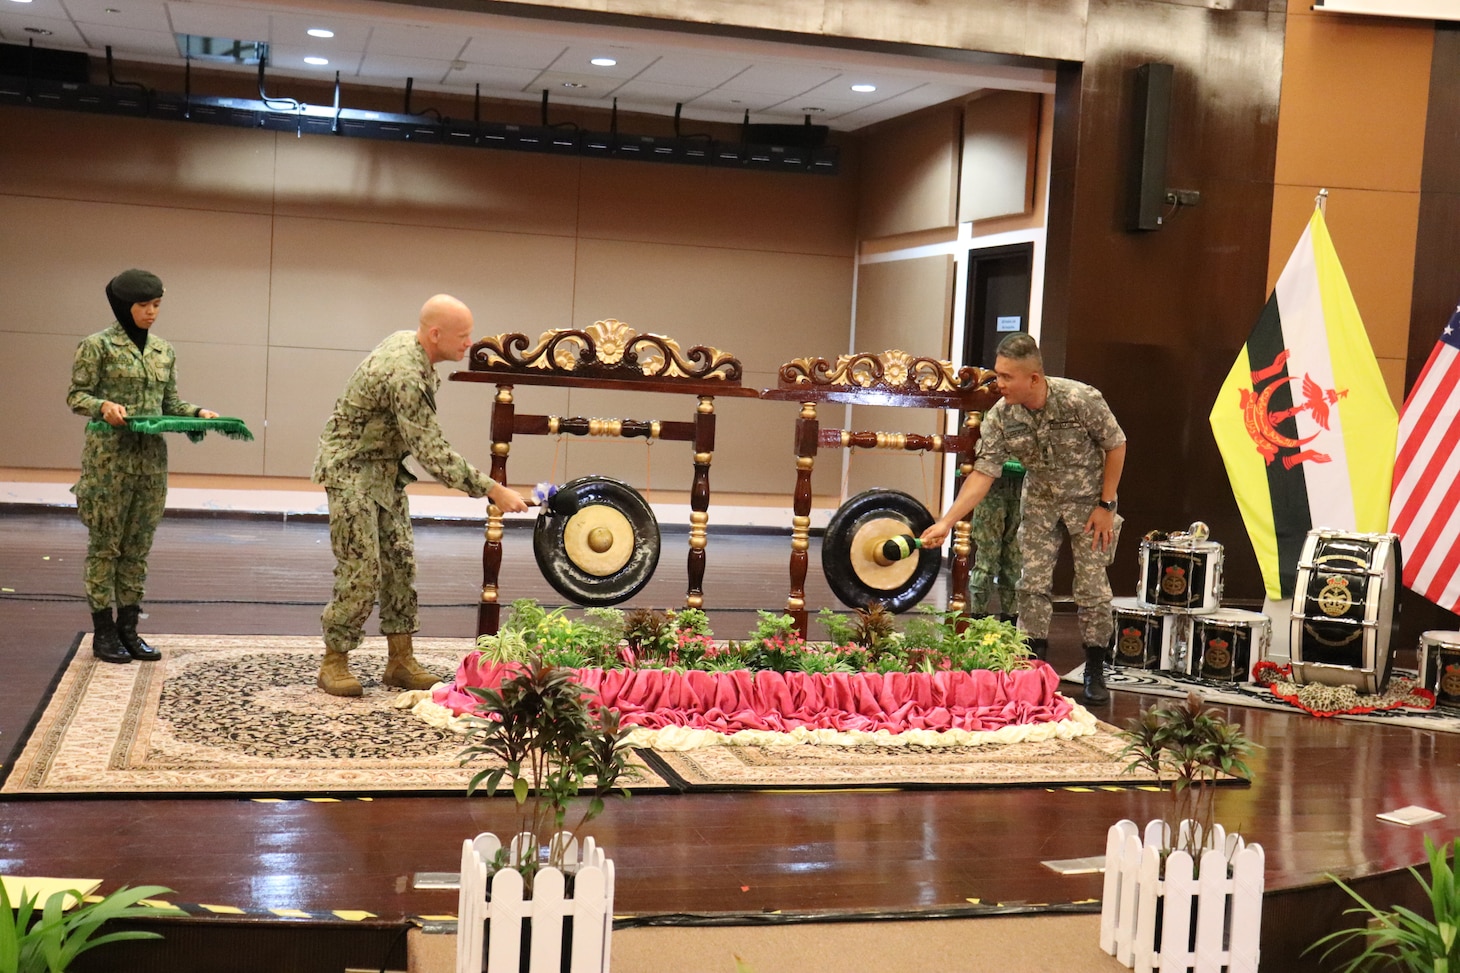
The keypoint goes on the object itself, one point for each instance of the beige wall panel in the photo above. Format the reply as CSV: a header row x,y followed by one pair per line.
x,y
231,380
702,206
39,431
1000,143
763,308
71,155
345,285
914,473
426,185
1373,234
905,304
910,173
1354,97
59,254
303,384
1393,371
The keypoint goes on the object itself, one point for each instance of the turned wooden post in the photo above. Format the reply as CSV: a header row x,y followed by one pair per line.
x,y
699,500
963,530
807,428
489,611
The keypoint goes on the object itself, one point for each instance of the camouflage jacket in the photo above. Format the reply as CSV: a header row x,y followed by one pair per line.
x,y
110,368
1062,445
387,411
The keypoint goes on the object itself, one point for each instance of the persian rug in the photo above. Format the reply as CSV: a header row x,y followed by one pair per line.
x,y
1392,713
239,715
1088,760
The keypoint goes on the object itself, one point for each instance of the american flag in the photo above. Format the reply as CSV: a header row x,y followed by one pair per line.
x,y
1425,510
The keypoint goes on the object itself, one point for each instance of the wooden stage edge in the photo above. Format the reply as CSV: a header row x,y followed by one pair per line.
x,y
775,869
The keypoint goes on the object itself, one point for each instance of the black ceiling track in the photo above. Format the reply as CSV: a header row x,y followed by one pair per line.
x,y
801,149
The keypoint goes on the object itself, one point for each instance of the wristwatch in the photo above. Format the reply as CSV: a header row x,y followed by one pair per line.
x,y
1106,505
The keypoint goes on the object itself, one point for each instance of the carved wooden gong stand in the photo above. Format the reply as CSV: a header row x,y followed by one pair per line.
x,y
607,355
891,378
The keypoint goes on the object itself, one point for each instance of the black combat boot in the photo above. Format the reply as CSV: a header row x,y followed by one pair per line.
x,y
105,644
1095,691
1040,648
127,616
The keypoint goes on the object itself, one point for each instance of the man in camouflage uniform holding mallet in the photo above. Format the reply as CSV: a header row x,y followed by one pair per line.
x,y
388,410
1073,452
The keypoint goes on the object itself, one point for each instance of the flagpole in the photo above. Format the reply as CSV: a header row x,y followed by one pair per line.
x,y
1321,201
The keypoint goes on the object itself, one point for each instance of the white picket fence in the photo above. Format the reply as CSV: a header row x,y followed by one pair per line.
x,y
1226,912
494,922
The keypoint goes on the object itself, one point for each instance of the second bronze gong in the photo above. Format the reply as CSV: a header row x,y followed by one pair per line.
x,y
857,566
598,543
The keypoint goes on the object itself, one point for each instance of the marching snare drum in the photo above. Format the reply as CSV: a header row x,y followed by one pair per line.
x,y
1343,622
1182,574
1145,638
1228,642
1439,666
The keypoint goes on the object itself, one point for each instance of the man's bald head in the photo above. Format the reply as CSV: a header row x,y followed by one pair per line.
x,y
445,330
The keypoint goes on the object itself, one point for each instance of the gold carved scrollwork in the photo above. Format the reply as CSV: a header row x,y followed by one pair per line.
x,y
891,371
605,349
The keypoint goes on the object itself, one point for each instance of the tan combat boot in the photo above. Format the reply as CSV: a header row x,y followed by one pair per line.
x,y
401,669
334,675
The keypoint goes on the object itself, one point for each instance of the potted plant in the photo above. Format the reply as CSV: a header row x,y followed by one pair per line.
x,y
554,748
1401,938
48,940
1185,873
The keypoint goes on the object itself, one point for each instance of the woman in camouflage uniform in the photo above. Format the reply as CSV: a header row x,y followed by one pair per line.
x,y
122,371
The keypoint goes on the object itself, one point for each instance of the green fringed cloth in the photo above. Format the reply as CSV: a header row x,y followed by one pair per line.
x,y
191,426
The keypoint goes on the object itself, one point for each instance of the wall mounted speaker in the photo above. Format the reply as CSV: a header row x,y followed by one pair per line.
x,y
1152,117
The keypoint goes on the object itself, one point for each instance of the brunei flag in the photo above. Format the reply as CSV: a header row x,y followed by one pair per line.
x,y
1304,422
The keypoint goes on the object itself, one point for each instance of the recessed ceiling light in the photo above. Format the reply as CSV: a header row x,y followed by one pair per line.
x,y
38,31
864,88
22,1
318,62
574,84
603,62
320,32
812,111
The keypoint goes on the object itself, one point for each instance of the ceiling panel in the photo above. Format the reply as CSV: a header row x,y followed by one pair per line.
x,y
375,43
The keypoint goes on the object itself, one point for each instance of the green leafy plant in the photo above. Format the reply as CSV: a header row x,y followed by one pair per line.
x,y
540,730
774,643
985,643
48,939
1401,938
839,628
873,625
1194,744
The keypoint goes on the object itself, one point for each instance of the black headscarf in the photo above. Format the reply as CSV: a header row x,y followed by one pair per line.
x,y
128,288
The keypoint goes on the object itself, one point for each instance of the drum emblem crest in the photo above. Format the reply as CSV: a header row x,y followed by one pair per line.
x,y
1132,642
1218,653
1334,599
1173,582
1450,682
1262,423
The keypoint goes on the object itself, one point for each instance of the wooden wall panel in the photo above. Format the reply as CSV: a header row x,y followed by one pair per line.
x,y
1000,149
909,174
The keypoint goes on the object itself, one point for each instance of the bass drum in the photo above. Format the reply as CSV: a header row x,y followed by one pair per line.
x,y
853,560
598,541
1345,610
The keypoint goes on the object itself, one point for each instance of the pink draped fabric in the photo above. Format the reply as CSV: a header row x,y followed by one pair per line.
x,y
781,701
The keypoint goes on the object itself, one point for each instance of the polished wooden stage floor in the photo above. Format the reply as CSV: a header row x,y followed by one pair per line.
x,y
1317,787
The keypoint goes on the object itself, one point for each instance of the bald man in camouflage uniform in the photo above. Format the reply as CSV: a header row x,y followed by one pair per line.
x,y
120,371
388,410
1073,452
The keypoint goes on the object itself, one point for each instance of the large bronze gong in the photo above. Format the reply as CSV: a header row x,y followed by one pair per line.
x,y
598,542
853,557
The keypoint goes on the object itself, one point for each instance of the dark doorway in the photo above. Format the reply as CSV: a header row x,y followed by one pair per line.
x,y
998,299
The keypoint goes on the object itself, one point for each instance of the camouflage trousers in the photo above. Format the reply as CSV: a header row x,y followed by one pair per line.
x,y
121,515
375,558
996,561
1043,529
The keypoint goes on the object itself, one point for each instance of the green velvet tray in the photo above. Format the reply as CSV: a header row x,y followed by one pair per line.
x,y
191,426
